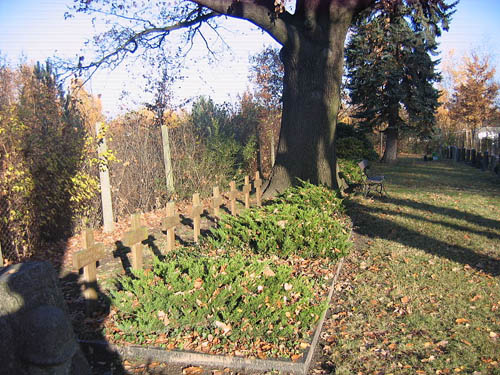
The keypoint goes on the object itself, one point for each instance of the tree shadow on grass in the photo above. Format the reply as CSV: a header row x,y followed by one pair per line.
x,y
485,233
446,211
369,222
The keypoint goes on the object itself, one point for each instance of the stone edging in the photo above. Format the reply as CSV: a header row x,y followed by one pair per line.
x,y
176,357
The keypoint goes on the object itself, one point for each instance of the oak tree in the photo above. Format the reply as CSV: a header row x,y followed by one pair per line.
x,y
312,38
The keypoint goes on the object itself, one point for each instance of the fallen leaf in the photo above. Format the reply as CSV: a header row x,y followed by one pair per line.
x,y
163,317
461,321
442,344
405,300
304,345
192,370
296,357
198,283
287,286
225,327
282,223
268,272
476,297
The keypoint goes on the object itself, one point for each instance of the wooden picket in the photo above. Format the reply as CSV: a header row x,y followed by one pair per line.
x,y
87,259
258,188
216,201
169,223
133,239
233,194
247,188
196,211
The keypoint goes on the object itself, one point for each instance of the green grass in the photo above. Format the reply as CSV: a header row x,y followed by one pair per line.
x,y
422,291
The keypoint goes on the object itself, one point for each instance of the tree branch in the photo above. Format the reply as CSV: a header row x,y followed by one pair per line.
x,y
261,13
131,44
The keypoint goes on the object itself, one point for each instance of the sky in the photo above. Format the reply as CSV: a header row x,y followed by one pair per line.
x,y
33,30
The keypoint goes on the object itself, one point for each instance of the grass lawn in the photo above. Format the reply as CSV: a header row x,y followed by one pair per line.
x,y
421,294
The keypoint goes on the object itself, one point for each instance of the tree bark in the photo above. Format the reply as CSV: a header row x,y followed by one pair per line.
x,y
391,145
313,56
311,98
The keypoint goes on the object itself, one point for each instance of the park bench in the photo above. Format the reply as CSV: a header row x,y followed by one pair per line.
x,y
373,183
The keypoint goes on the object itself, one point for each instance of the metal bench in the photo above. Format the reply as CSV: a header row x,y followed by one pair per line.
x,y
373,183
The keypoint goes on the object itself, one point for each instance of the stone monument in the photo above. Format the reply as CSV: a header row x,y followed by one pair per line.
x,y
36,333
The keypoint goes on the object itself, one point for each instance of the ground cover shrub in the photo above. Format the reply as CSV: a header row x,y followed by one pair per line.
x,y
350,171
349,148
222,301
306,221
352,143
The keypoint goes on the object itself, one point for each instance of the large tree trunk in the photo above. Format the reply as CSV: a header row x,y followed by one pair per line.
x,y
311,98
313,56
391,145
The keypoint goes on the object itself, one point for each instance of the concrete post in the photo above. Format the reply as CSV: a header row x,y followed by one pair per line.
x,y
107,206
169,174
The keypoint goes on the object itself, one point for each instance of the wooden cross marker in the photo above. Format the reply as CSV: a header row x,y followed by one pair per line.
x,y
87,259
258,188
216,201
247,188
169,223
233,194
196,211
133,239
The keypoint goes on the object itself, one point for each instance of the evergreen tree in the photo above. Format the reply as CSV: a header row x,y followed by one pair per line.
x,y
391,72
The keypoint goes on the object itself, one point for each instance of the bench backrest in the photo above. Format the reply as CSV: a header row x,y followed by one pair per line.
x,y
363,164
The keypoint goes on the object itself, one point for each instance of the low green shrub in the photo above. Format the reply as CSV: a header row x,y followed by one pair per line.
x,y
349,148
234,298
352,143
350,171
306,221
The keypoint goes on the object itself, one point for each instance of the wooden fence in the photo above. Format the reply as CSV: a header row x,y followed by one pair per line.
x,y
92,252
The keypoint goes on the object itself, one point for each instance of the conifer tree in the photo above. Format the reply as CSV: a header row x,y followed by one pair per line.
x,y
391,73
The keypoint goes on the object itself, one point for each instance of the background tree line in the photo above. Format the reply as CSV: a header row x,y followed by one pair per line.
x,y
49,165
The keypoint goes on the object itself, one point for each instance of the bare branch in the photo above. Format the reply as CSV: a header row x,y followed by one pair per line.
x,y
130,45
261,13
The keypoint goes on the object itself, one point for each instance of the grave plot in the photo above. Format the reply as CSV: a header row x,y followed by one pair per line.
x,y
225,298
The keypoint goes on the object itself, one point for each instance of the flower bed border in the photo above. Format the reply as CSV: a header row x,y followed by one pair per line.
x,y
177,357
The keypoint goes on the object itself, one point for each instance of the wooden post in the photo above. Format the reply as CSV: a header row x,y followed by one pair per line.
x,y
169,174
216,201
196,211
233,194
247,188
258,188
273,152
107,207
169,223
87,259
133,239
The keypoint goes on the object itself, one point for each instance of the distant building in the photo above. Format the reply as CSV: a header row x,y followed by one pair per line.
x,y
488,132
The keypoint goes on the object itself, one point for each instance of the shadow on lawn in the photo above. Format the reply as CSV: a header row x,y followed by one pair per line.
x,y
369,222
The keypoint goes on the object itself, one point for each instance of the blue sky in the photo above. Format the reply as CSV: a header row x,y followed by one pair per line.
x,y
36,29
